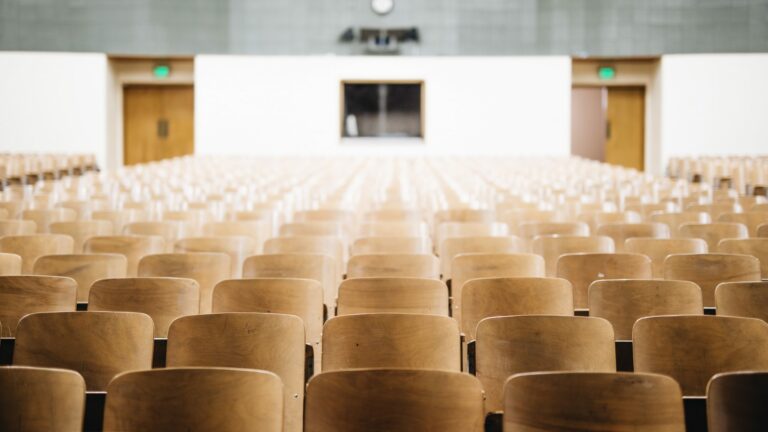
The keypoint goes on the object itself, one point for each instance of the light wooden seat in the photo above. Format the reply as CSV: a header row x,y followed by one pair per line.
x,y
98,345
394,400
257,230
736,402
85,269
676,219
712,233
425,266
10,264
620,232
551,248
393,229
17,227
191,221
44,217
330,246
271,342
691,349
492,297
391,341
582,269
762,230
659,249
393,215
31,247
452,247
474,266
393,295
597,219
530,230
313,229
22,295
646,210
119,218
13,208
163,299
742,299
464,215
391,245
41,399
332,215
448,230
80,231
83,209
170,231
133,248
623,301
207,269
592,401
757,247
236,247
716,209
551,343
708,270
186,399
751,219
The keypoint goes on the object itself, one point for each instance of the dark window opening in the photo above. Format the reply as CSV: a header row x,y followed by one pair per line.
x,y
382,110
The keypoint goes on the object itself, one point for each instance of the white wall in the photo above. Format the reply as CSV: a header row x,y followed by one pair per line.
x,y
53,102
291,105
714,104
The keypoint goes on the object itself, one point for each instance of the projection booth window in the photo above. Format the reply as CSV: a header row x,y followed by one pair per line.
x,y
382,109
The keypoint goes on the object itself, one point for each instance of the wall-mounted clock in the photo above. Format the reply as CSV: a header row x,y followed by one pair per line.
x,y
382,7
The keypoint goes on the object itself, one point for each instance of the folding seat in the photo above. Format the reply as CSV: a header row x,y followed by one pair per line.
x,y
393,229
81,230
119,218
623,302
759,207
44,217
712,233
393,295
205,399
394,400
236,247
162,298
41,399
515,218
133,248
31,247
581,269
85,269
270,216
258,231
207,269
329,215
23,295
762,230
425,266
333,247
271,342
597,219
751,219
83,209
552,247
13,207
452,247
533,229
691,349
716,209
464,215
393,215
98,345
10,264
191,220
646,210
659,249
406,341
449,230
391,245
592,401
675,220
17,227
736,402
313,229
708,270
620,232
170,231
742,299
509,345
757,247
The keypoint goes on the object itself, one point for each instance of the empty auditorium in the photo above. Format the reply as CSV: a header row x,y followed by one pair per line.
x,y
383,216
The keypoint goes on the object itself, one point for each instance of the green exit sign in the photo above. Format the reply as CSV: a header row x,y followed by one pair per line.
x,y
606,72
161,71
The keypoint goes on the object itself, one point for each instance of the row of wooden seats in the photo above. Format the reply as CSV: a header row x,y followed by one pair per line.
x,y
29,168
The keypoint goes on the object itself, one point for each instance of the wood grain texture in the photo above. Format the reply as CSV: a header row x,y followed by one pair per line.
x,y
10,264
623,301
551,248
742,299
736,402
757,247
582,269
44,217
85,269
712,233
381,400
691,349
393,295
22,295
515,344
425,266
452,247
134,248
236,247
674,220
80,231
391,341
621,231
98,345
658,250
391,245
271,342
41,400
17,227
751,219
708,270
592,401
163,299
31,247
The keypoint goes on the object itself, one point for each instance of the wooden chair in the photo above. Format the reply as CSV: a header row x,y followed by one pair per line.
x,y
584,268
41,399
530,230
393,229
716,209
597,219
552,343
447,230
207,269
708,270
646,210
751,219
736,402
170,231
330,246
85,269
691,349
236,247
13,208
425,266
133,248
98,345
592,401
492,297
191,221
757,247
44,217
163,299
620,232
320,268
394,400
22,295
452,247
80,231
516,217
712,233
676,219
551,248
258,231
205,399
623,302
475,266
742,299
313,229
464,215
17,227
391,341
762,230
31,247
391,245
658,249
393,295
383,215
10,264
119,218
